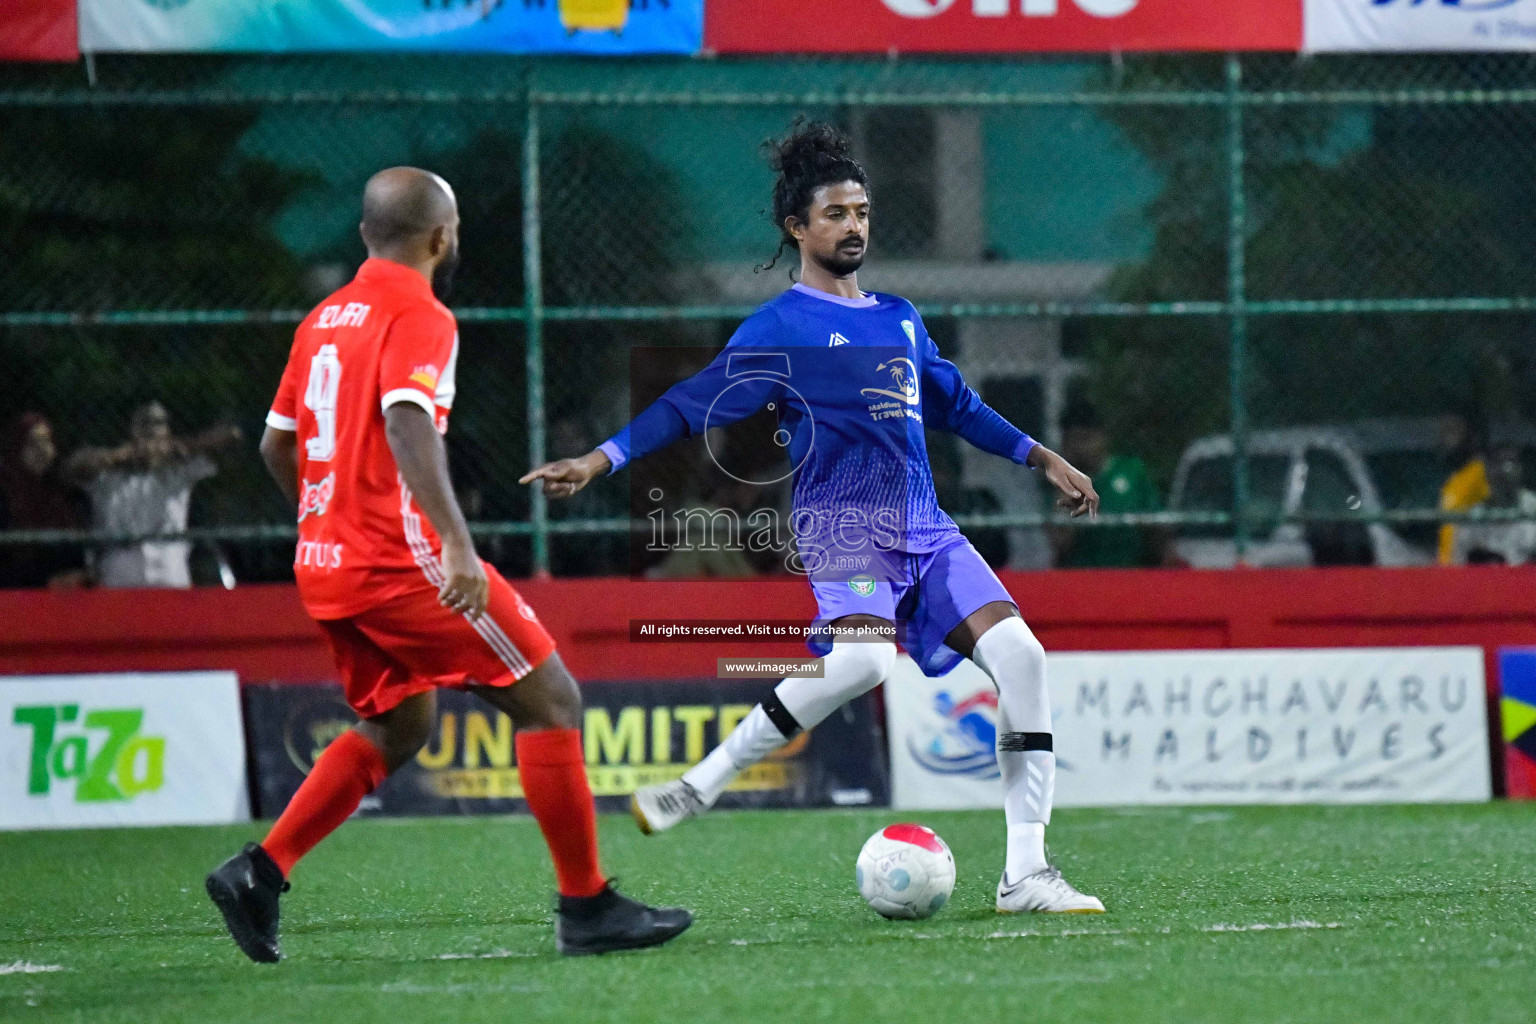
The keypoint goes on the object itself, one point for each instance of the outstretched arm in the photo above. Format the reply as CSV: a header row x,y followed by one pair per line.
x,y
705,400
88,463
739,382
564,477
422,459
1075,493
212,439
949,403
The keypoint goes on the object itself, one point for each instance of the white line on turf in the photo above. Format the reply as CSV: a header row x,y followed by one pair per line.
x,y
1261,927
23,967
495,954
415,988
1060,934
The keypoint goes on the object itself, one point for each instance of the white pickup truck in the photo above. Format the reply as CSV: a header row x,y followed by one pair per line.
x,y
1319,469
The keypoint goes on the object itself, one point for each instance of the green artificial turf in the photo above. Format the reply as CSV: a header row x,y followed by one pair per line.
x,y
1399,914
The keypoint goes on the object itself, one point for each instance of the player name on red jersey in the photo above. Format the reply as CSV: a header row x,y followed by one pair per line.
x,y
380,340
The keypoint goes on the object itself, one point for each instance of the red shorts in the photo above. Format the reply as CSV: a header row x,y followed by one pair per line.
x,y
411,644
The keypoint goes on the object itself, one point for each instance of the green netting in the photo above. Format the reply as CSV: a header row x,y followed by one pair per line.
x,y
1190,244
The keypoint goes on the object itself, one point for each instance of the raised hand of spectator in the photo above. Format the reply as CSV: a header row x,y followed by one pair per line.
x,y
86,463
216,436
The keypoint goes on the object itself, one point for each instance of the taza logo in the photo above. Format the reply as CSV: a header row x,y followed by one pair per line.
x,y
124,765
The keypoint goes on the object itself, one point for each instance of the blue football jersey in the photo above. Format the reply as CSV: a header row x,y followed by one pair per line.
x,y
853,383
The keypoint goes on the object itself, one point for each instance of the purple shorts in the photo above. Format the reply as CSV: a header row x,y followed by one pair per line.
x,y
932,593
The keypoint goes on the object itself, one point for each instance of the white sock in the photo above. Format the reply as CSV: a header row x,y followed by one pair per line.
x,y
852,669
754,738
1026,818
1010,654
1026,850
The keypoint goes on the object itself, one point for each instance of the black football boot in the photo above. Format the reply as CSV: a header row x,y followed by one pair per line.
x,y
245,888
611,921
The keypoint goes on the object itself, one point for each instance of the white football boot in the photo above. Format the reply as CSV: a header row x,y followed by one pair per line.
x,y
658,808
1044,892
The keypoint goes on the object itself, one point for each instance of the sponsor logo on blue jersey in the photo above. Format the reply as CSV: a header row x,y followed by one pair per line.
x,y
903,381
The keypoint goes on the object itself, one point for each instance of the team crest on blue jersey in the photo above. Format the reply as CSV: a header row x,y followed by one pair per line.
x,y
864,586
906,325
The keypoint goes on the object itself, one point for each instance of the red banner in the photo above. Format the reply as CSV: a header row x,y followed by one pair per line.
x,y
38,30
990,26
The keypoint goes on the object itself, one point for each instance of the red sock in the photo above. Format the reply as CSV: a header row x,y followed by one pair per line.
x,y
554,776
348,770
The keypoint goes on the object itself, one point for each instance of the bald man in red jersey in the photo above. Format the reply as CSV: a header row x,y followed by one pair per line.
x,y
386,566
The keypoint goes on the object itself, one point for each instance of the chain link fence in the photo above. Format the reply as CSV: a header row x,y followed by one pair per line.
x,y
1277,302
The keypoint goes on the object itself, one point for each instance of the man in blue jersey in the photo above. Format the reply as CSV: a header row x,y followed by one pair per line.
x,y
853,378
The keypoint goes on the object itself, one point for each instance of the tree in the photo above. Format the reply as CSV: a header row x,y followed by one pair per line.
x,y
613,233
146,208
1341,203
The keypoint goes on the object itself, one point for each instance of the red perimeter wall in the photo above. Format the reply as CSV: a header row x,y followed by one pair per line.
x,y
262,631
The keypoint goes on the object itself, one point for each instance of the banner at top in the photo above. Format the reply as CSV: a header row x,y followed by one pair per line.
x,y
991,26
503,26
1407,26
38,30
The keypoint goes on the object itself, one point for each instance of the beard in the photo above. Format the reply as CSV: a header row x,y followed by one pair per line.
x,y
840,262
442,275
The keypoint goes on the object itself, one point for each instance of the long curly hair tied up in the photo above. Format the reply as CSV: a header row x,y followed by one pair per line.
x,y
811,155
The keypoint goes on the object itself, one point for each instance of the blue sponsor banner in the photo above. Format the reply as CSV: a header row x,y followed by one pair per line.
x,y
501,26
1412,26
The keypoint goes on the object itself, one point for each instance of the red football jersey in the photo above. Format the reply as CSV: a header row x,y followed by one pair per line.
x,y
382,339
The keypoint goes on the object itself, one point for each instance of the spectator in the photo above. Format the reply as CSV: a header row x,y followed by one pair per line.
x,y
1507,543
1467,485
36,498
144,487
1124,486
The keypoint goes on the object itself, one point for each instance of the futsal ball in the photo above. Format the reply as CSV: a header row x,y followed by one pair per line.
x,y
905,871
